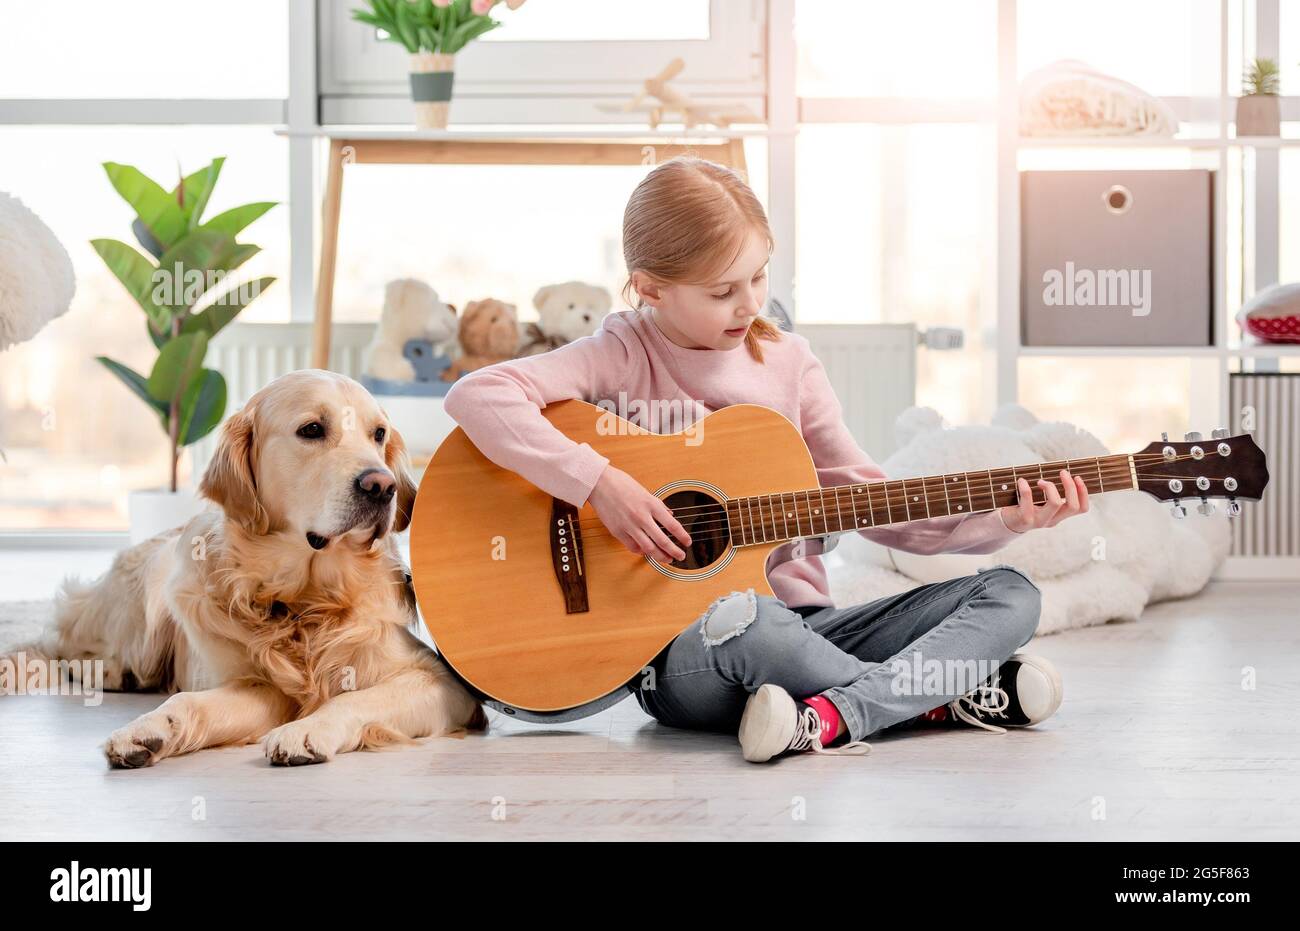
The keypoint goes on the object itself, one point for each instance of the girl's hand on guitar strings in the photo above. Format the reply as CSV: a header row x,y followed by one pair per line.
x,y
633,516
1028,516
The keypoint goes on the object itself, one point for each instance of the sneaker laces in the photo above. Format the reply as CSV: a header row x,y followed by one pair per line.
x,y
979,701
808,736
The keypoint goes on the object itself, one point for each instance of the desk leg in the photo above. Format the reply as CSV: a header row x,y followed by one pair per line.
x,y
736,156
329,245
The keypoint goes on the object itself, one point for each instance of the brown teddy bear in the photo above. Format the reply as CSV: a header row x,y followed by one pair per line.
x,y
489,333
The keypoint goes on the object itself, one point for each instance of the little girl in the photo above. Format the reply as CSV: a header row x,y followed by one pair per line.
x,y
787,673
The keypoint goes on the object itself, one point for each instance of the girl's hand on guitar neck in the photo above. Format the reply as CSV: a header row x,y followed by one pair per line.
x,y
1028,516
630,513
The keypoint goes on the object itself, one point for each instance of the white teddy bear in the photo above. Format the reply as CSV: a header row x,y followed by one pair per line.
x,y
1124,554
565,312
412,310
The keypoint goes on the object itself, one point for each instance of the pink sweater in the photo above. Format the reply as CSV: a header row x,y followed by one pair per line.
x,y
499,407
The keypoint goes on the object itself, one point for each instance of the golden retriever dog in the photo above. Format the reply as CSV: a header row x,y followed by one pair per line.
x,y
283,613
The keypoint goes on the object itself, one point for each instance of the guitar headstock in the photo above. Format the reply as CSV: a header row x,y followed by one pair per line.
x,y
1223,466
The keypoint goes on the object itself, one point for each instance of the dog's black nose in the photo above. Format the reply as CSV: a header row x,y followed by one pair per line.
x,y
376,484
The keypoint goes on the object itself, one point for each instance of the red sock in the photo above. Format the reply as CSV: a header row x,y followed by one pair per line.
x,y
829,714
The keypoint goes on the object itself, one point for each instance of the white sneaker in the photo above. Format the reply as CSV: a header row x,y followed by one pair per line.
x,y
1026,690
774,724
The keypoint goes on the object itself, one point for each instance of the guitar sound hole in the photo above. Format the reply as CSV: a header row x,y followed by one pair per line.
x,y
705,519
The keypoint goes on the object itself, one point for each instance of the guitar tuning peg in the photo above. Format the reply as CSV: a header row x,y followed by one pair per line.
x,y
1192,437
1234,508
1164,437
1179,511
1205,508
1221,433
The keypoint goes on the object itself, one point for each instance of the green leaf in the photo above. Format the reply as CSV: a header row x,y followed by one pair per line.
x,y
234,221
206,252
156,208
133,380
137,275
467,32
197,189
202,407
178,363
225,308
405,29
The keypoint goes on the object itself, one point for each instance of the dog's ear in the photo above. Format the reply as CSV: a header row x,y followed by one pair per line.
x,y
229,479
399,464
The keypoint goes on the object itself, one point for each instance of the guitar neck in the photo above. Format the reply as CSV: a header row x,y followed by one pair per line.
x,y
814,512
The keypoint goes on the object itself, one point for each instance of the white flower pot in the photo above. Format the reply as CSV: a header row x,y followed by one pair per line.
x,y
157,510
432,76
1259,115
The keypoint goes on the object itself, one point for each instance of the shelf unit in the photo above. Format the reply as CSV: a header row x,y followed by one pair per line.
x,y
1229,351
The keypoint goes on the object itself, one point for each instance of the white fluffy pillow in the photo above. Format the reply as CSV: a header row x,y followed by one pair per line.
x,y
36,277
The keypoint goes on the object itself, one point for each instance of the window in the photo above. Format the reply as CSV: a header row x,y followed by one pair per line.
x,y
144,49
1124,402
868,48
75,440
516,229
893,227
526,74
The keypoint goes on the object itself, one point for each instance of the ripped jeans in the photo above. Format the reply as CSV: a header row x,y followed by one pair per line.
x,y
880,663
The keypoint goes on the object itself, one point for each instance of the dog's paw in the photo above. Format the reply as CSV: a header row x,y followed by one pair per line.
x,y
298,743
138,744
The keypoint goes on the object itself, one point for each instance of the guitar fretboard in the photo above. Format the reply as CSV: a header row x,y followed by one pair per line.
x,y
818,511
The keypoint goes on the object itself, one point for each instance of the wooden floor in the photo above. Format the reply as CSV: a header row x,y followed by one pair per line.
x,y
1156,740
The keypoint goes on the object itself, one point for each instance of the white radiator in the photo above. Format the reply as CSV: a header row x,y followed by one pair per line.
x,y
871,367
1270,527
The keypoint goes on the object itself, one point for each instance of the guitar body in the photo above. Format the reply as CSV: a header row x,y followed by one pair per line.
x,y
486,570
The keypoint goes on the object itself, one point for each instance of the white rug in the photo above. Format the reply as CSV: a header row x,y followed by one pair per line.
x,y
22,622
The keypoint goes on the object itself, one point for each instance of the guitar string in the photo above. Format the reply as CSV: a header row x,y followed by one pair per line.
x,y
600,532
901,494
767,518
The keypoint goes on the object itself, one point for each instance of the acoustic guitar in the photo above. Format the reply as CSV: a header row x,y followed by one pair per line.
x,y
538,606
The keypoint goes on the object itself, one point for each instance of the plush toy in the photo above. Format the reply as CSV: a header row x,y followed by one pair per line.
x,y
489,333
565,312
36,278
1108,564
412,310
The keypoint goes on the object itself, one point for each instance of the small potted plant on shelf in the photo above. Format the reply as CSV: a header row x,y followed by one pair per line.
x,y
1258,113
180,284
432,31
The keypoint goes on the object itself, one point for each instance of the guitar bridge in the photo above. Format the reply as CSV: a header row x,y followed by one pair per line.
x,y
566,556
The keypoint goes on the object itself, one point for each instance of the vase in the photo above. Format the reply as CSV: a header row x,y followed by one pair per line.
x,y
432,75
1258,115
156,510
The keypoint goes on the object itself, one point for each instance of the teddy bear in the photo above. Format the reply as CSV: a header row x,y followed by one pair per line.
x,y
489,333
412,310
565,312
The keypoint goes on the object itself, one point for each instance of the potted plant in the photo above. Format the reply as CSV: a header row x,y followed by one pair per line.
x,y
180,284
1258,113
432,31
